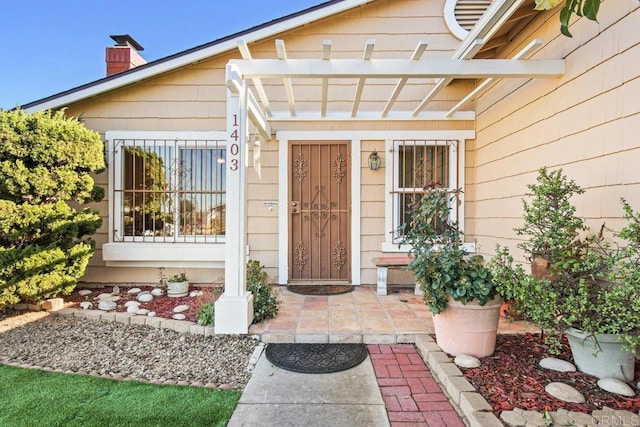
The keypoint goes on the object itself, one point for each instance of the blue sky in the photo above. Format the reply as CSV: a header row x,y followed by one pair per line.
x,y
50,46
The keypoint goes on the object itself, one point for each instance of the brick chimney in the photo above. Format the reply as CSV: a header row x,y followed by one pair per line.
x,y
124,55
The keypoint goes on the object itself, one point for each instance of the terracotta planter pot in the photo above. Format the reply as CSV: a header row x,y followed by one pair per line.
x,y
468,329
540,268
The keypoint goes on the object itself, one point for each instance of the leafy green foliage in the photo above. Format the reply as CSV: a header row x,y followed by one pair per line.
x,y
587,8
592,285
206,314
265,301
46,160
440,264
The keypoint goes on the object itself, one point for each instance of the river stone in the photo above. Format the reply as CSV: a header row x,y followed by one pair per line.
x,y
134,291
106,305
132,309
614,385
116,290
142,312
558,365
157,292
104,295
132,303
179,316
145,297
196,293
84,292
151,314
466,361
86,305
564,392
181,308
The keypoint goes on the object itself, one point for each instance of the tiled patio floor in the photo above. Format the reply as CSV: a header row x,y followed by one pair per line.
x,y
359,316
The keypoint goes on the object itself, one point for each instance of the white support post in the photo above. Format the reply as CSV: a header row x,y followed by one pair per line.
x,y
234,308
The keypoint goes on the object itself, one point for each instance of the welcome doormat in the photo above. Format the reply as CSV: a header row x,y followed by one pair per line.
x,y
320,289
316,358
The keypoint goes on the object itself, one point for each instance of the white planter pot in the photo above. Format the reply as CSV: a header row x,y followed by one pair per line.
x,y
177,289
601,356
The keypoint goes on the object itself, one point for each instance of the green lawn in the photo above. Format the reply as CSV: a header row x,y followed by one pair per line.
x,y
29,397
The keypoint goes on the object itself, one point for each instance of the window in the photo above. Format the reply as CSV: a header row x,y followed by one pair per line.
x,y
417,165
168,190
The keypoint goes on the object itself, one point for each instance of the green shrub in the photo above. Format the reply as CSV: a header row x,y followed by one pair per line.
x,y
265,302
440,264
46,160
206,314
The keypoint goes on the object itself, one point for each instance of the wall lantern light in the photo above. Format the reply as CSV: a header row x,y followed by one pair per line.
x,y
374,160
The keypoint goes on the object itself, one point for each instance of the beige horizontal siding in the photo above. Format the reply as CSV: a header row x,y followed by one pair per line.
x,y
585,122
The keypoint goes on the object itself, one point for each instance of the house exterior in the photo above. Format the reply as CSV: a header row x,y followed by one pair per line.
x,y
257,145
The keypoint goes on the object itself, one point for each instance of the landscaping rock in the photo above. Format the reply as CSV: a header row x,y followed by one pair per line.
x,y
132,303
86,305
614,385
151,314
558,365
179,316
84,292
106,305
142,312
104,295
181,308
157,292
134,291
145,297
466,361
116,290
132,309
195,293
512,419
564,392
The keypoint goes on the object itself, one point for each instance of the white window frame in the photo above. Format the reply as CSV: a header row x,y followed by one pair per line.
x,y
191,251
456,179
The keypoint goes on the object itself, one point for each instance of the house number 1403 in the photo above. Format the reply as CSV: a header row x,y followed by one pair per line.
x,y
234,149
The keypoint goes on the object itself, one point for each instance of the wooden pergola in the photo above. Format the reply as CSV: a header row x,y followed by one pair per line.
x,y
248,104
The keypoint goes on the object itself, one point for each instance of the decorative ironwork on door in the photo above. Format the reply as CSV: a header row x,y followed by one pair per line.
x,y
319,210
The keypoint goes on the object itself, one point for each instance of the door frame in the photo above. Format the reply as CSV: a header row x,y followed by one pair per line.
x,y
284,171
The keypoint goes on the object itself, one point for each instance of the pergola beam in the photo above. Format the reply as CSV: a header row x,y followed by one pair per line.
x,y
417,54
326,55
286,79
368,52
246,54
399,68
526,51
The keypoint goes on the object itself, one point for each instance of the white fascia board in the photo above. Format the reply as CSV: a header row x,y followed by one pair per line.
x,y
374,135
281,116
196,56
182,135
398,68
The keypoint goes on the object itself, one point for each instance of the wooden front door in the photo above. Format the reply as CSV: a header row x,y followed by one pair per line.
x,y
319,211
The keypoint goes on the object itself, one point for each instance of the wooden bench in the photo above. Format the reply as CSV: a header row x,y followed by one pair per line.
x,y
384,263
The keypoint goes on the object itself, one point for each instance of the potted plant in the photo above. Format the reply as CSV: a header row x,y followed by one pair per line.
x,y
456,285
178,285
589,289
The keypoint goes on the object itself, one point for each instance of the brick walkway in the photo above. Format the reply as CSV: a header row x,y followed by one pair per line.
x,y
411,394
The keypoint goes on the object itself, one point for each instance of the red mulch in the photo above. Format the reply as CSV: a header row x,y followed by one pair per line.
x,y
511,378
163,306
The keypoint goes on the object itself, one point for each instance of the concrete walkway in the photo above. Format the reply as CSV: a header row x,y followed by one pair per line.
x,y
276,397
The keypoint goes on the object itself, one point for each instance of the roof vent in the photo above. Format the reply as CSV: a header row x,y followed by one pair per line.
x,y
462,15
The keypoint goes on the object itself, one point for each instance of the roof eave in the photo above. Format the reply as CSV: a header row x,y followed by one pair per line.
x,y
193,55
